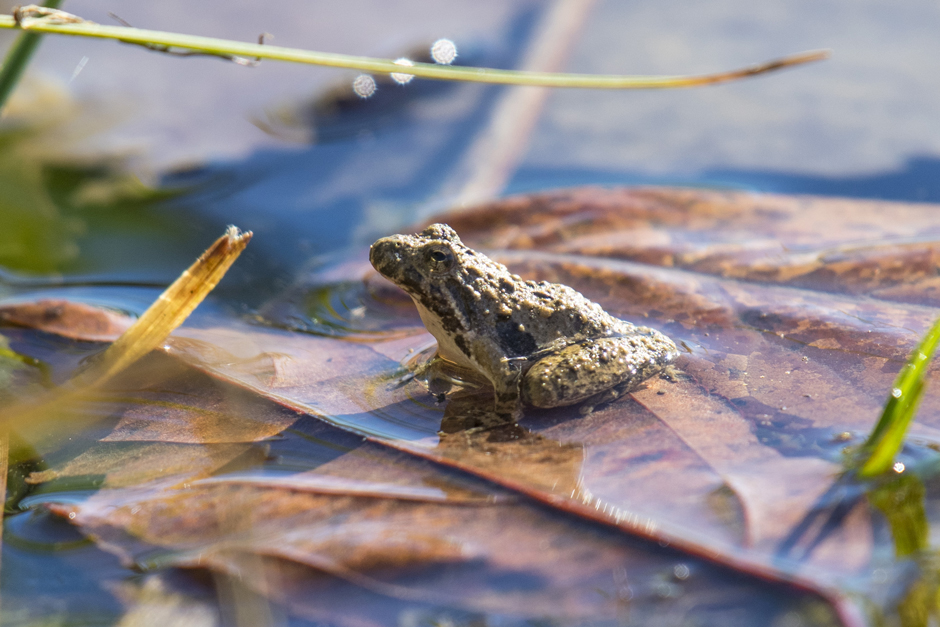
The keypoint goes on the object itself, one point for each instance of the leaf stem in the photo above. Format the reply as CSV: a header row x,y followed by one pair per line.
x,y
224,47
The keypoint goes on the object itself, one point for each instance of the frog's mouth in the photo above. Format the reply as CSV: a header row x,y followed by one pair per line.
x,y
385,256
389,256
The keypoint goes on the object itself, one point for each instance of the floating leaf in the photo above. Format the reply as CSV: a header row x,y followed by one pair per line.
x,y
783,359
471,547
77,321
794,316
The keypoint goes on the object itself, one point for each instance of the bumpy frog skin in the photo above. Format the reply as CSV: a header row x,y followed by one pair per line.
x,y
537,343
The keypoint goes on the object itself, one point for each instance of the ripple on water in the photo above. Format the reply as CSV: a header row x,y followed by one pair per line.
x,y
329,303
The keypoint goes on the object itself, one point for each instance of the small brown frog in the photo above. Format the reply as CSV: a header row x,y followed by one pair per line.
x,y
537,343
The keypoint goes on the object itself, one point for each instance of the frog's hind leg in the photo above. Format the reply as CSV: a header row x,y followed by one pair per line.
x,y
597,370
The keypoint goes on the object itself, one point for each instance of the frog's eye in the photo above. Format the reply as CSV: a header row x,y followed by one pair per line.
x,y
440,259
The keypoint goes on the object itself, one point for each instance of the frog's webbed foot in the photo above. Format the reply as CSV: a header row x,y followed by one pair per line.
x,y
474,406
440,377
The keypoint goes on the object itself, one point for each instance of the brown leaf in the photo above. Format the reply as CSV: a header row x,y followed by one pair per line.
x,y
886,249
139,463
76,321
160,401
495,556
796,315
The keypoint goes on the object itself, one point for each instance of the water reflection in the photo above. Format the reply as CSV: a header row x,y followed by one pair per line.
x,y
903,583
472,433
327,301
52,574
915,601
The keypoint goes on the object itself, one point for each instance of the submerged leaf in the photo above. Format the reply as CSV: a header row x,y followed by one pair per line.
x,y
53,417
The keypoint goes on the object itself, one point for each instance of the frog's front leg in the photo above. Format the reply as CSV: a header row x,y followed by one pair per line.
x,y
591,368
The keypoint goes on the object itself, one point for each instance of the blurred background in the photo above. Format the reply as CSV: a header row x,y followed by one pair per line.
x,y
133,161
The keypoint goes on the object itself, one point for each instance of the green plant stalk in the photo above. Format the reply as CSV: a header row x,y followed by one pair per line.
x,y
18,58
223,47
888,435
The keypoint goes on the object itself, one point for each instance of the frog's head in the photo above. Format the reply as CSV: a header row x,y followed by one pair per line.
x,y
416,262
438,272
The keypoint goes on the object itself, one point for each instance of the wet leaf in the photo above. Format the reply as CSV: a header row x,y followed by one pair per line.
x,y
77,321
468,547
40,423
795,316
161,420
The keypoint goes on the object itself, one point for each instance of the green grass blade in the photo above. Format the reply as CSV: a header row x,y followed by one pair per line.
x,y
17,59
877,454
227,48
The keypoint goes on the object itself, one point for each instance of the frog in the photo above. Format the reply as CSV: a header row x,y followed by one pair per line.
x,y
537,343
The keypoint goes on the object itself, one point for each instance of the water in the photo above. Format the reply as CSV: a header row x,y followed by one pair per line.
x,y
914,181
